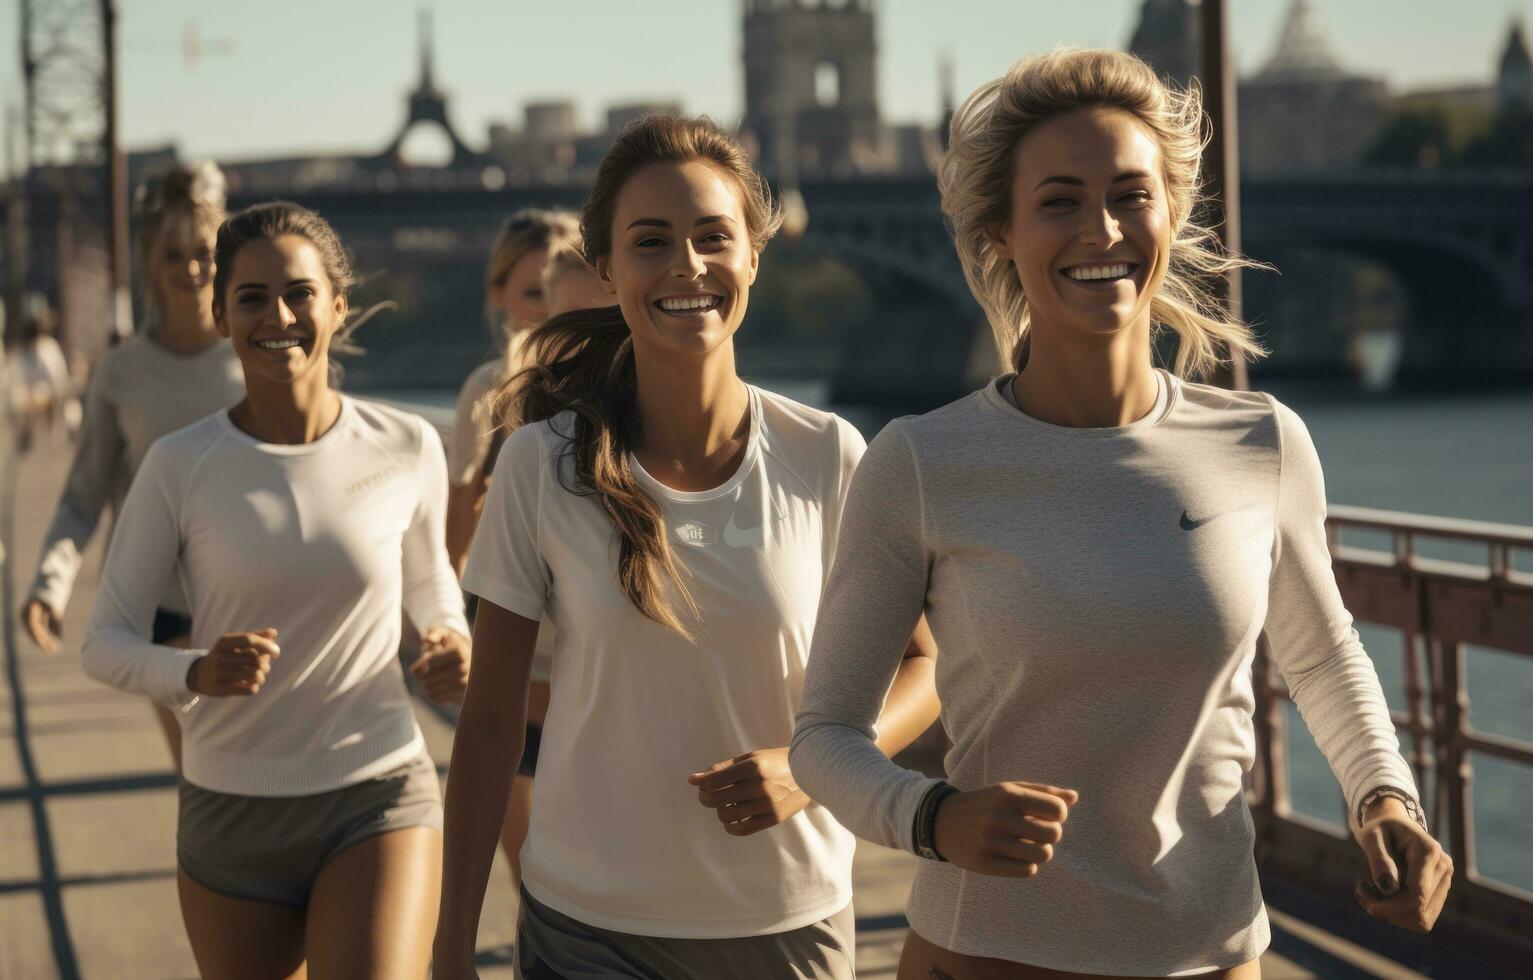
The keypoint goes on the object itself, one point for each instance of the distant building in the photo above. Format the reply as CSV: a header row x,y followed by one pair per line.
x,y
1514,80
811,93
1513,84
1169,38
1303,111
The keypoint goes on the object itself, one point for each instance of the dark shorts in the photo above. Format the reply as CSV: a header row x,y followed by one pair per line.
x,y
272,848
552,946
170,626
529,766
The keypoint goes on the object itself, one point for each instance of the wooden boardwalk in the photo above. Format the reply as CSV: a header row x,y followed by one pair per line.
x,y
88,803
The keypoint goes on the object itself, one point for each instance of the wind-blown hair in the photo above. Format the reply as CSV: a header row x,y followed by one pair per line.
x,y
976,179
582,363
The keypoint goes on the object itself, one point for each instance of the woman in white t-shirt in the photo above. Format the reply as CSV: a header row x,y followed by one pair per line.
x,y
675,525
299,521
1098,546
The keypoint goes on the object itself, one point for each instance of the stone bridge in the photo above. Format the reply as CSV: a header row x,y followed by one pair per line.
x,y
1461,249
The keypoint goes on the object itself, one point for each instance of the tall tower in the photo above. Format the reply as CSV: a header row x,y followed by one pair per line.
x,y
811,99
427,104
949,88
1169,38
1514,80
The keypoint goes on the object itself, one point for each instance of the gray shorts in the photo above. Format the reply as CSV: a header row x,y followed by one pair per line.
x,y
272,848
553,946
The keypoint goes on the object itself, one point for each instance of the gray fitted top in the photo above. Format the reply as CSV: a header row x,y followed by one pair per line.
x,y
1097,595
139,392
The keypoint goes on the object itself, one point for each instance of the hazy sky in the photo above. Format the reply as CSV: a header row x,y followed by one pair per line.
x,y
316,75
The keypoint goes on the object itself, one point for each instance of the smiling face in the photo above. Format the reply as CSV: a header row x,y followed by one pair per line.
x,y
280,310
180,266
1090,225
520,295
682,262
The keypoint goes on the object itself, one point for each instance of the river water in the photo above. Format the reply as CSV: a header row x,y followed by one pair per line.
x,y
1459,455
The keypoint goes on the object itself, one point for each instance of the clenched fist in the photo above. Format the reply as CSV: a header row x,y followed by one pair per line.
x,y
442,667
1008,829
236,666
750,792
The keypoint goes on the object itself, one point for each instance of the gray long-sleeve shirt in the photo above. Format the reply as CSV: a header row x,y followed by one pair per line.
x,y
139,392
1097,595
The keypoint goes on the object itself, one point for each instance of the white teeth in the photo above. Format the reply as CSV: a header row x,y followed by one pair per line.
x,y
1086,272
680,304
282,344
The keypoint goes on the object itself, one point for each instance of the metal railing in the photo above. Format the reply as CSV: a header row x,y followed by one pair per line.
x,y
1440,608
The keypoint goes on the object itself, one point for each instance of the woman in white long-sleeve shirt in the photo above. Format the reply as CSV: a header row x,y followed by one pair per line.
x,y
1097,545
298,522
174,371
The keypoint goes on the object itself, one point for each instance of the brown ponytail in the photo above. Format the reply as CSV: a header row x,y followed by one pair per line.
x,y
582,363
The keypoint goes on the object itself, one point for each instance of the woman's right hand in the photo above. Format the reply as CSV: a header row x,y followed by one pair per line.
x,y
236,666
42,625
1009,829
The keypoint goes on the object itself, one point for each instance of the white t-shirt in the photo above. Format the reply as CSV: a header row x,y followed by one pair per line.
x,y
618,838
324,542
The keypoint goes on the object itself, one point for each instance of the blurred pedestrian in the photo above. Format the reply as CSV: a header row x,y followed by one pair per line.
x,y
177,369
515,302
40,384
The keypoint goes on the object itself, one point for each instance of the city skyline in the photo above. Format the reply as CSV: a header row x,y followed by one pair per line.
x,y
299,79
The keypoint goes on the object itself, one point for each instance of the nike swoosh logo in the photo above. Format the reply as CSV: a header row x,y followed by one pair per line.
x,y
1188,524
743,537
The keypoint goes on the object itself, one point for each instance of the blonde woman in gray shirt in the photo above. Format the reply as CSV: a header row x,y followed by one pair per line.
x,y
170,374
1097,545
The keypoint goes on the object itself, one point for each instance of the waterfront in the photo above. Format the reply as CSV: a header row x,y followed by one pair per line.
x,y
1461,455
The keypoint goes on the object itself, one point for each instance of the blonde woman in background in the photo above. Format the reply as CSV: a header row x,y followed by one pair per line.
x,y
174,371
515,302
1098,545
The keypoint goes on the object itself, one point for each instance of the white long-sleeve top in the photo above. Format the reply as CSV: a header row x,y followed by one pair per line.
x,y
1097,595
139,392
322,541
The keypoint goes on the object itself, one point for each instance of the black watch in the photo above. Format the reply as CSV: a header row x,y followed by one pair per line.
x,y
925,829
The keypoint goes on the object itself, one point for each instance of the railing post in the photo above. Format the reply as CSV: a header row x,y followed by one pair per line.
x,y
1272,774
1424,734
1455,773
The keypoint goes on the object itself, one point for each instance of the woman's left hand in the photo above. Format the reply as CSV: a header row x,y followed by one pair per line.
x,y
1410,871
442,667
750,792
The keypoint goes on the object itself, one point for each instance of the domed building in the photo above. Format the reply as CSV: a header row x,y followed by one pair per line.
x,y
1303,111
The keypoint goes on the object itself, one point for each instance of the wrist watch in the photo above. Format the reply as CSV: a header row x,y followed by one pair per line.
x,y
1391,792
925,829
